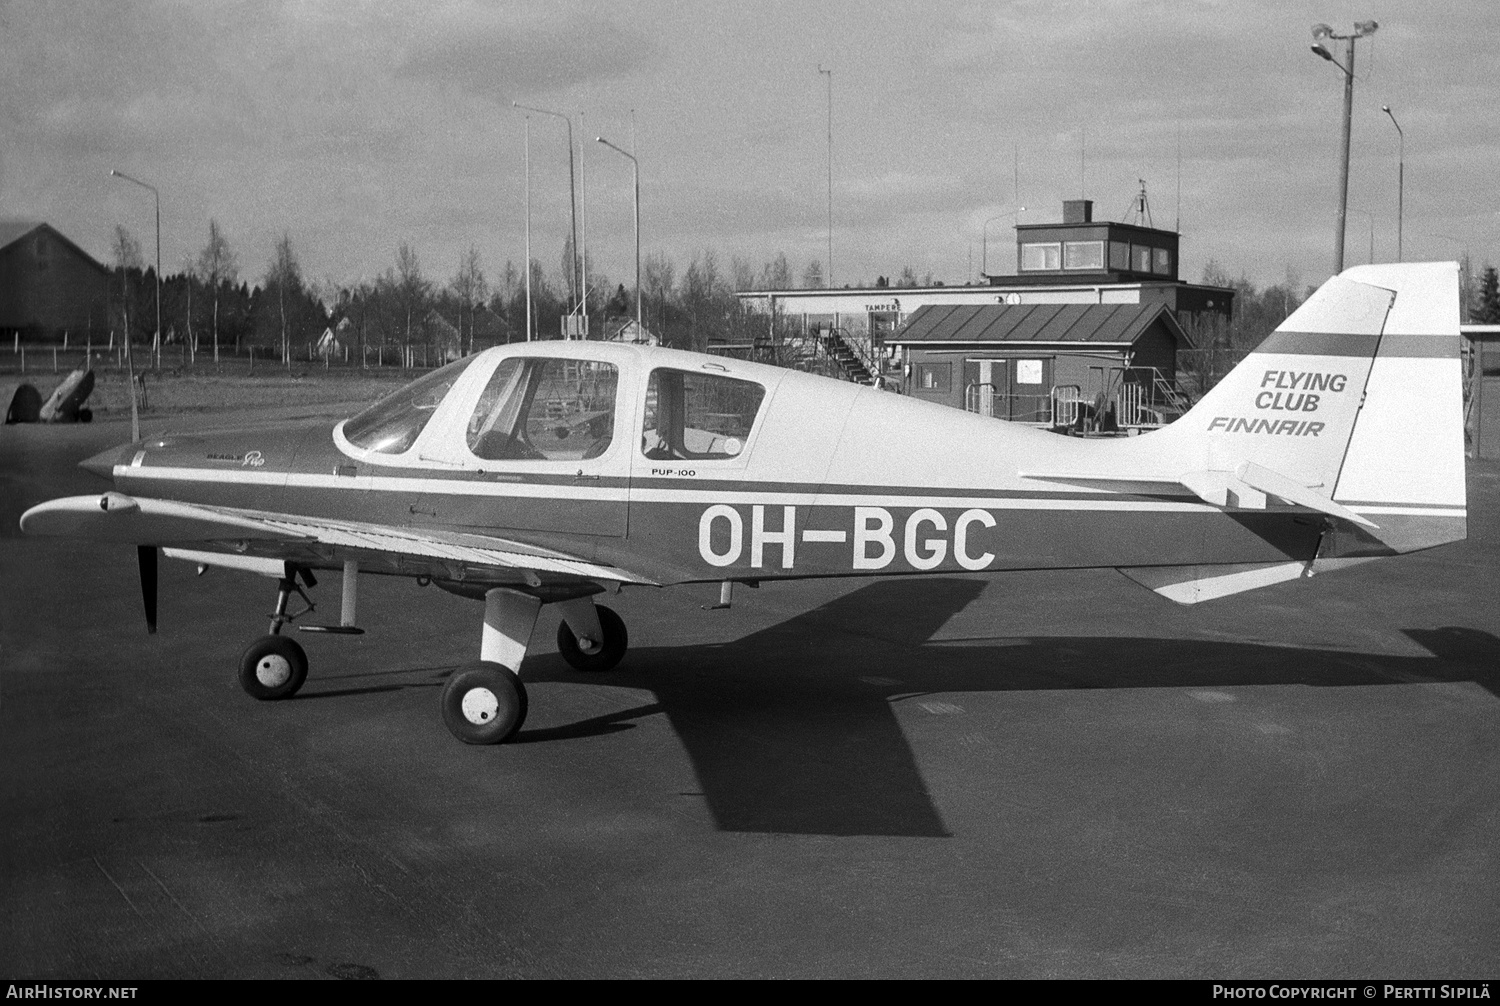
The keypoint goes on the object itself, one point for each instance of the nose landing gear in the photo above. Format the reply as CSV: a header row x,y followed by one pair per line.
x,y
274,667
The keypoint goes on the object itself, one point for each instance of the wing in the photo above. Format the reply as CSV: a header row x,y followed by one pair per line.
x,y
263,542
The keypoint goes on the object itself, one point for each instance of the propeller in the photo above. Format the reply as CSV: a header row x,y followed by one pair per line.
x,y
146,557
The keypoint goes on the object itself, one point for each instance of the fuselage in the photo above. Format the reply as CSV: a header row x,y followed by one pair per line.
x,y
682,467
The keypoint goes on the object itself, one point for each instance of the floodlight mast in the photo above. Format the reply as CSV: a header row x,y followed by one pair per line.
x,y
573,282
1400,179
1321,32
135,418
635,171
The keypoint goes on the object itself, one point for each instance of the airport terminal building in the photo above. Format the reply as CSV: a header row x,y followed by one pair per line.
x,y
1128,274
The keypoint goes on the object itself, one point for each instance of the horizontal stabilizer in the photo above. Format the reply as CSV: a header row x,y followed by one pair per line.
x,y
1191,584
1278,485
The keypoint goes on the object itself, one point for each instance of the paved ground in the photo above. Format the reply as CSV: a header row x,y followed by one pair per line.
x,y
1038,775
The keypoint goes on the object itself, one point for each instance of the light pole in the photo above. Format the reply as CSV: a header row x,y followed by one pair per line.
x,y
1321,32
635,170
583,227
1400,179
829,74
528,227
985,255
572,194
135,421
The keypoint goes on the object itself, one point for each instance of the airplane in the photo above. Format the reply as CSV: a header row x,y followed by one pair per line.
x,y
552,472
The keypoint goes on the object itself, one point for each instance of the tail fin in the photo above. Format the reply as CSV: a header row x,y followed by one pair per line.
x,y
1356,396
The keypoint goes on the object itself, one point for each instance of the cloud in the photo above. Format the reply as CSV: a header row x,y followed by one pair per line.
x,y
506,60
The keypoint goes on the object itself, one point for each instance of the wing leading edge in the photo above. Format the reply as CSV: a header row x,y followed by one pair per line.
x,y
455,556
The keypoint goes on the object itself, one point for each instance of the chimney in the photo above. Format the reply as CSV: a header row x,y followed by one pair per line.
x,y
1078,211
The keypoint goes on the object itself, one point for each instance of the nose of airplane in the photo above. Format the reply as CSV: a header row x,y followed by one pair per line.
x,y
103,463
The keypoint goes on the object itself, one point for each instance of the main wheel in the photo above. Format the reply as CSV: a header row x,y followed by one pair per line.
x,y
483,703
609,651
273,667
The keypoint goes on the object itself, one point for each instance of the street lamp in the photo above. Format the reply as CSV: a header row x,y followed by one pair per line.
x,y
135,421
635,170
1320,33
1400,179
528,226
984,260
572,193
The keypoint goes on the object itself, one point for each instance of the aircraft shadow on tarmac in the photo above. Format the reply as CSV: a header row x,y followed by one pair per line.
x,y
792,730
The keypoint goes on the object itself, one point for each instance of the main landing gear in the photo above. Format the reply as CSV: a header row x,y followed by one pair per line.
x,y
483,702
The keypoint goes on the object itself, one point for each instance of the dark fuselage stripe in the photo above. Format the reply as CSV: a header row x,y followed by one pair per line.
x,y
1392,344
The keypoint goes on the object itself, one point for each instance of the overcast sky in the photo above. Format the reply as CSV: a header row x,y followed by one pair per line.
x,y
354,127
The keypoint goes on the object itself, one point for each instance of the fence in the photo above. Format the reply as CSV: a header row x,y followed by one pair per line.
x,y
40,359
1135,405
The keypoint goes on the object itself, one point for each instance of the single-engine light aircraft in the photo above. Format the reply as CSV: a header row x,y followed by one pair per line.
x,y
551,472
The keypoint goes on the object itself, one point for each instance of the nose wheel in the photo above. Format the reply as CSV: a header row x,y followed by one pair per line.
x,y
273,667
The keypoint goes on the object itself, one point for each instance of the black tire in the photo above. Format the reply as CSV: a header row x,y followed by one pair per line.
x,y
616,641
483,703
273,667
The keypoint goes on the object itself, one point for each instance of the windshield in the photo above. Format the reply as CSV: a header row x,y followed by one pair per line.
x,y
393,424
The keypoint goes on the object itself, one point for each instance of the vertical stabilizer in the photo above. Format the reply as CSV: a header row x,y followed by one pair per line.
x,y
1356,396
1291,406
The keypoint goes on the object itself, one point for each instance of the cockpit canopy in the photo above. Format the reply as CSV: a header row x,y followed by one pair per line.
x,y
513,406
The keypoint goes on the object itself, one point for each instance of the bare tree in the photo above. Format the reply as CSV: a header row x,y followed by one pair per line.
x,y
127,255
412,288
216,266
285,274
471,289
742,274
812,276
658,276
776,274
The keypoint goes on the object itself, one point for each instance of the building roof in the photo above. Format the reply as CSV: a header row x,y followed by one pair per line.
x,y
12,231
1091,324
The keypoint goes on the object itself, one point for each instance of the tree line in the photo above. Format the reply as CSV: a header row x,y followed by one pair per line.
x,y
210,305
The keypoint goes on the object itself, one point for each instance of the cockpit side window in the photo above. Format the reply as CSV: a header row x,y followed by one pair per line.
x,y
545,409
692,415
392,425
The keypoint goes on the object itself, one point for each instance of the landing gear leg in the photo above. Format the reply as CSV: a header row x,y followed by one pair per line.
x,y
485,702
